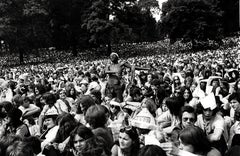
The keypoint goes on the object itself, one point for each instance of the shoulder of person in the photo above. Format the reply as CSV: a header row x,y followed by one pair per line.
x,y
114,150
213,152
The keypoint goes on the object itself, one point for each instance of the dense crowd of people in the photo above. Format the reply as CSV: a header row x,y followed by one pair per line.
x,y
185,104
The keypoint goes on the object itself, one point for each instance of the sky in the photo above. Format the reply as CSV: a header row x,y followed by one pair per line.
x,y
157,15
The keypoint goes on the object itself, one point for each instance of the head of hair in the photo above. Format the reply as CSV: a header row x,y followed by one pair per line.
x,y
86,101
34,142
235,140
6,141
19,148
188,109
190,94
174,105
195,136
49,98
82,131
234,96
151,106
133,134
96,116
95,146
152,150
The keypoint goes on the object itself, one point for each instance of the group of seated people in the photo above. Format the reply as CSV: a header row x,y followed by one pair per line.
x,y
185,108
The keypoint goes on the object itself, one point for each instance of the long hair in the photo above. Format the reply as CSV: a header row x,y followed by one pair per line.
x,y
132,133
174,105
82,131
195,136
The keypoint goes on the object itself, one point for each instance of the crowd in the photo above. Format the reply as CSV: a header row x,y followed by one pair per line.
x,y
184,104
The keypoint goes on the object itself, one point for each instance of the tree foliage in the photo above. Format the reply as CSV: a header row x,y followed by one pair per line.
x,y
192,20
23,26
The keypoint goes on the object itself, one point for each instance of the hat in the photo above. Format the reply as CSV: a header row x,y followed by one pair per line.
x,y
114,54
143,120
51,113
209,102
84,81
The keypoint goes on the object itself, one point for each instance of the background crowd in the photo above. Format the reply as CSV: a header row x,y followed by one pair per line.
x,y
183,104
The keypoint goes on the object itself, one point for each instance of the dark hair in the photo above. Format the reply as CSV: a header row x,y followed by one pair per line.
x,y
190,94
188,109
135,91
95,146
19,148
236,85
235,140
96,116
86,101
40,88
234,96
132,133
152,150
195,136
65,129
174,105
151,106
6,141
33,142
50,98
82,131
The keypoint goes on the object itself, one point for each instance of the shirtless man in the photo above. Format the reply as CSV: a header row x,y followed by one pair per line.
x,y
115,85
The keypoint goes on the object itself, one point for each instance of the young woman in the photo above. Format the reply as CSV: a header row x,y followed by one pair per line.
x,y
128,143
78,138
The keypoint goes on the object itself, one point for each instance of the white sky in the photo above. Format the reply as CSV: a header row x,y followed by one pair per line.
x,y
157,15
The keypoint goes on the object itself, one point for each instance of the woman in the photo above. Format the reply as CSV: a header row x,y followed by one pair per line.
x,y
192,139
78,138
187,95
128,143
15,125
170,118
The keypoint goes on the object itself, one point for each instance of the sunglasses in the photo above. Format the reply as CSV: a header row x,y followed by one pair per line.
x,y
190,119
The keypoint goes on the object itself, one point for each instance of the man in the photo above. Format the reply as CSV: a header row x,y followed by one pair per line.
x,y
115,85
212,123
188,117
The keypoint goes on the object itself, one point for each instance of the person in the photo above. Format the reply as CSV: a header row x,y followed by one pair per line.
x,y
188,117
19,148
170,118
48,136
78,138
27,108
95,146
212,123
152,150
83,103
128,143
97,119
115,85
192,139
14,123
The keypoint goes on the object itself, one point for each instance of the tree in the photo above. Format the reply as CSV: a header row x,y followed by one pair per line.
x,y
23,25
192,20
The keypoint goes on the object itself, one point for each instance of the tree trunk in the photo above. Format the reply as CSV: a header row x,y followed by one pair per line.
x,y
21,51
74,50
109,49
